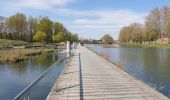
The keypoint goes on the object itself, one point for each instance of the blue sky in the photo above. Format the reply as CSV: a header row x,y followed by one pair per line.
x,y
87,18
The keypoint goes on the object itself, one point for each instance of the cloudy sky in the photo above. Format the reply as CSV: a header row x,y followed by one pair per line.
x,y
87,18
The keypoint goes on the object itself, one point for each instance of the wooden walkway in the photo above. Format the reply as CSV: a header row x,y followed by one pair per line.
x,y
94,78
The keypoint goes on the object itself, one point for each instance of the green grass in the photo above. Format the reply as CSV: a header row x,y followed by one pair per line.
x,y
14,55
147,45
6,43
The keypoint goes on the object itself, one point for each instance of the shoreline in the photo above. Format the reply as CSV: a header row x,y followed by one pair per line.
x,y
17,55
146,45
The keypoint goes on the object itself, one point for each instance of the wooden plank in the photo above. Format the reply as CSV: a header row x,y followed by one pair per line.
x,y
100,80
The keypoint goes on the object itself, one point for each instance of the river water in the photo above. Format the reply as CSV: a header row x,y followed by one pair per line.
x,y
151,65
14,77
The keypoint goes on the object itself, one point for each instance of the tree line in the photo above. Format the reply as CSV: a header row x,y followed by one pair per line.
x,y
30,29
156,25
107,39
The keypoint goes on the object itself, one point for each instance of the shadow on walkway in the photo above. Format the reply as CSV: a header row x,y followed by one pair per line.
x,y
81,79
62,89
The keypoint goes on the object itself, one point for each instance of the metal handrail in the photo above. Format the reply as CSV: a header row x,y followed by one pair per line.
x,y
25,93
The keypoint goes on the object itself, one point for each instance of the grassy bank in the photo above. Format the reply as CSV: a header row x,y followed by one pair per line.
x,y
6,43
15,55
147,45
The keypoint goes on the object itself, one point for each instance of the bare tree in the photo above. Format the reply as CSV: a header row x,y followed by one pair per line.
x,y
153,24
136,32
166,20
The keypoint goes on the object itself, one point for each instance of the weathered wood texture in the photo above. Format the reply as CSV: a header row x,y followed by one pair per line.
x,y
98,79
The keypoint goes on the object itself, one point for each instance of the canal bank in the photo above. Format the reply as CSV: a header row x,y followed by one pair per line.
x,y
17,55
153,45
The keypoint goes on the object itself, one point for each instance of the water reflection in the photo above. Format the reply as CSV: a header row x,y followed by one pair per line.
x,y
151,65
14,77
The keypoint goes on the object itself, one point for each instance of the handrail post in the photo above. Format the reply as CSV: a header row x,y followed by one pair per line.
x,y
68,49
74,45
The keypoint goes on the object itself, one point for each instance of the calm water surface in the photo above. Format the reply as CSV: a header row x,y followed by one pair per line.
x,y
151,65
14,77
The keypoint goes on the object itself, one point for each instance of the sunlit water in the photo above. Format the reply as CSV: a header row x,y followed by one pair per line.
x,y
14,77
151,65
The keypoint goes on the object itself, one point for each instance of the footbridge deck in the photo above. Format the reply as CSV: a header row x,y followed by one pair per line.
x,y
88,76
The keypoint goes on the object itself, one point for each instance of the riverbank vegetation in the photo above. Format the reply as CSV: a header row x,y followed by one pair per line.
x,y
107,39
156,28
146,45
15,55
6,43
24,28
21,31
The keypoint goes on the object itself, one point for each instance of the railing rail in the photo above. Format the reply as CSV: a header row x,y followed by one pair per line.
x,y
24,95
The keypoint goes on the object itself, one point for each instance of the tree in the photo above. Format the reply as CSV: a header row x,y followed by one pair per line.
x,y
74,38
166,20
46,25
148,32
40,36
153,24
2,27
107,38
156,24
31,25
59,37
125,34
17,25
136,32
21,24
58,27
11,26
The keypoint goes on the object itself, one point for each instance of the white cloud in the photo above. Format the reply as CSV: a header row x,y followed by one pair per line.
x,y
108,21
112,18
94,23
35,4
89,23
39,4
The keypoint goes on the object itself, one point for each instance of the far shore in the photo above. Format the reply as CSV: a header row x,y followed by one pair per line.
x,y
146,45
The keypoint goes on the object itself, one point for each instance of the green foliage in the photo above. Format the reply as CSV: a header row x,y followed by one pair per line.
x,y
74,38
46,25
58,27
107,38
17,24
19,27
31,24
40,36
6,43
19,54
59,37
